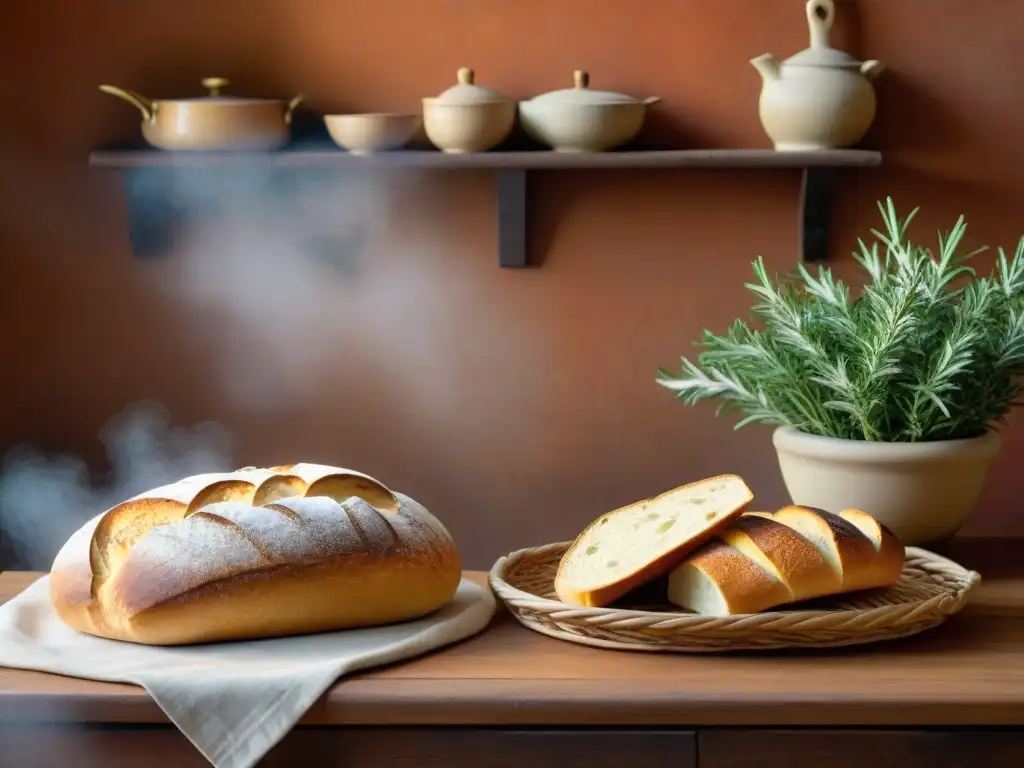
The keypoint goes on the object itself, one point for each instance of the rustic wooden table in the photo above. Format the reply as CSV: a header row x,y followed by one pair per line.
x,y
953,696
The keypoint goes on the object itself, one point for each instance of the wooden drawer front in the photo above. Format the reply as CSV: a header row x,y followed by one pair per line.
x,y
727,748
44,746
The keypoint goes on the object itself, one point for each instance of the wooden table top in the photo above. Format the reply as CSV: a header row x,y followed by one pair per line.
x,y
968,672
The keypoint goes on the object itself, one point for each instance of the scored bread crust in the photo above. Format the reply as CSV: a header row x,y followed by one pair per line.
x,y
786,555
609,593
255,553
738,580
850,551
763,560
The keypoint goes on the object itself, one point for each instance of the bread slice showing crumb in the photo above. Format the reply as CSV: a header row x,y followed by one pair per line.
x,y
630,546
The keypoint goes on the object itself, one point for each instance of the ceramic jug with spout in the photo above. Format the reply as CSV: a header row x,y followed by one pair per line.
x,y
821,98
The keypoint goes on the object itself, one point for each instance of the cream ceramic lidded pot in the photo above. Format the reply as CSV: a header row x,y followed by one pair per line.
x,y
468,117
580,119
821,98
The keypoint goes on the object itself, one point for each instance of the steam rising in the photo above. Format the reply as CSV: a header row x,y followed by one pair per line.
x,y
44,499
271,276
310,287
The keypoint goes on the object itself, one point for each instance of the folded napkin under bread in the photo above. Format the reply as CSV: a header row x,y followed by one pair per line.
x,y
234,701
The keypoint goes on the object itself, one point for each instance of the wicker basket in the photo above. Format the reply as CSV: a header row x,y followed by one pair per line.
x,y
930,589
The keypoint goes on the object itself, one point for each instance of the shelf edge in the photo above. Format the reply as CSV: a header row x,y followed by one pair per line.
x,y
740,159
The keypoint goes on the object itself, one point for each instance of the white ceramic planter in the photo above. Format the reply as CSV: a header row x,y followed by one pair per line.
x,y
922,492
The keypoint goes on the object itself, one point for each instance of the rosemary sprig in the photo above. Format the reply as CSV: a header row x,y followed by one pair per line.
x,y
929,350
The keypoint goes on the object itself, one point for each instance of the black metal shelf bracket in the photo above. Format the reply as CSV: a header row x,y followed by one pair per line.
x,y
512,245
817,196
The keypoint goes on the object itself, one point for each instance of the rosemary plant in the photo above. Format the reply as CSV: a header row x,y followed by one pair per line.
x,y
928,350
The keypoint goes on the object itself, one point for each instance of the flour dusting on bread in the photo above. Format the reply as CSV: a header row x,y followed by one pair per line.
x,y
206,538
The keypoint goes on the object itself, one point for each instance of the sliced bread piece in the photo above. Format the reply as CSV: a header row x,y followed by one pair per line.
x,y
719,580
632,545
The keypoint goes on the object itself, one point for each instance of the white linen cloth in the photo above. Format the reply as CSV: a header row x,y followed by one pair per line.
x,y
233,701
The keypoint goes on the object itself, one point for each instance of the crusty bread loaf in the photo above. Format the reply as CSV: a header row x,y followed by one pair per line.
x,y
634,544
763,560
254,553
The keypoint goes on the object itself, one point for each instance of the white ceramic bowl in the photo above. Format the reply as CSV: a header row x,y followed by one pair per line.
x,y
459,128
364,134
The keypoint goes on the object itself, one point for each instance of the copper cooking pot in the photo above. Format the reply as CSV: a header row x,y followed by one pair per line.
x,y
212,122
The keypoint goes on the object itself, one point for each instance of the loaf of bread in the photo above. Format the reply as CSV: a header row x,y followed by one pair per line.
x,y
251,554
634,544
763,560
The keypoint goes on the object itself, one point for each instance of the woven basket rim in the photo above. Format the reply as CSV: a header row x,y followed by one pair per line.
x,y
572,622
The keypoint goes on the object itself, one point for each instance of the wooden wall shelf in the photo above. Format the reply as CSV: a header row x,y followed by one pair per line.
x,y
153,217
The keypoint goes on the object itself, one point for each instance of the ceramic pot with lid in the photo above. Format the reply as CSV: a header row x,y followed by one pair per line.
x,y
821,98
212,122
580,119
468,117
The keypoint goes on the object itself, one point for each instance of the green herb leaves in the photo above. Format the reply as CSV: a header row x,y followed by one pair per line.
x,y
928,351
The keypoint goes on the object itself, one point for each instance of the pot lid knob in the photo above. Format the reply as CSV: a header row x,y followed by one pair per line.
x,y
581,79
466,91
214,84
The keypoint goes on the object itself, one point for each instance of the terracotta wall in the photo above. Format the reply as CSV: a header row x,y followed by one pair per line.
x,y
516,404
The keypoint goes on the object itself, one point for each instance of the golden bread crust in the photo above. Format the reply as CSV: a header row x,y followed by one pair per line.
x,y
785,554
